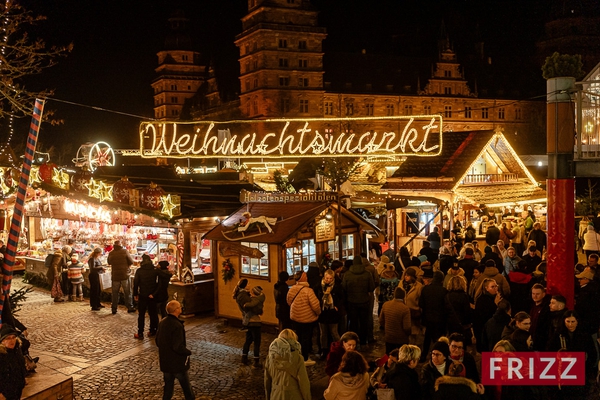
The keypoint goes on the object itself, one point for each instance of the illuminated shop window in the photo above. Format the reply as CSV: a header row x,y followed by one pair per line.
x,y
347,248
256,266
298,257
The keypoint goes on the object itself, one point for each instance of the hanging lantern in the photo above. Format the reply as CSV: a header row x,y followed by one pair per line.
x,y
79,181
46,172
122,190
150,197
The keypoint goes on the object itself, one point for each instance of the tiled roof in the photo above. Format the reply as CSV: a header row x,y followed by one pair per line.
x,y
491,195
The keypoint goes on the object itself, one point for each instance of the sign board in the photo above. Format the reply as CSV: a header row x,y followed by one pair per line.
x,y
257,197
300,137
324,230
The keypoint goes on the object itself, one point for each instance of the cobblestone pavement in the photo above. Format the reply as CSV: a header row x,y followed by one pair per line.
x,y
99,351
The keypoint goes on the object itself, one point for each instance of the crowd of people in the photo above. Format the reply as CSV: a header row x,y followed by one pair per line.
x,y
437,312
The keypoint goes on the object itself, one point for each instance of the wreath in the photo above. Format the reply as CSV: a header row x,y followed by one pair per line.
x,y
326,260
228,271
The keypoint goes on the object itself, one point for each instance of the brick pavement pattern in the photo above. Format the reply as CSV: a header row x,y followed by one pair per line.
x,y
99,351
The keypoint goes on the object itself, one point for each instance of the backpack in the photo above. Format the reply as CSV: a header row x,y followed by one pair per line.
x,y
48,260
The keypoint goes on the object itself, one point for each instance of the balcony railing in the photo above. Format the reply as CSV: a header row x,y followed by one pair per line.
x,y
479,179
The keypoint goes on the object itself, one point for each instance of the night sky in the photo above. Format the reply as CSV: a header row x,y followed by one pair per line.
x,y
116,41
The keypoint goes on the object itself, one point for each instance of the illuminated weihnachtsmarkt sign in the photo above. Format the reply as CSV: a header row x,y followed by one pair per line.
x,y
280,138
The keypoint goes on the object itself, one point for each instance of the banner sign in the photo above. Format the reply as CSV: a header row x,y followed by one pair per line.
x,y
533,368
257,197
301,137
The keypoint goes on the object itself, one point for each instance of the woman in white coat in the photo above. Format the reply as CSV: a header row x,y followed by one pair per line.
x,y
591,241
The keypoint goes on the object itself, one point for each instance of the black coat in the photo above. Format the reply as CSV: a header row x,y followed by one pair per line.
x,y
161,294
493,328
429,375
455,387
431,254
492,235
173,355
405,382
145,281
282,308
468,265
576,341
434,305
12,372
586,306
485,307
331,316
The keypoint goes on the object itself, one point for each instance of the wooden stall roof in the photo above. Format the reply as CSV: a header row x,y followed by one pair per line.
x,y
493,195
291,217
459,151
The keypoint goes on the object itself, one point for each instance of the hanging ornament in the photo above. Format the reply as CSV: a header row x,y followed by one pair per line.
x,y
79,181
46,172
122,190
150,197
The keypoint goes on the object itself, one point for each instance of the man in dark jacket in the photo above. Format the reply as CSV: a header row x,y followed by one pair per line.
x,y
492,329
173,354
485,308
282,308
538,236
12,364
434,308
120,261
357,284
161,294
586,303
540,317
144,287
492,235
427,251
468,264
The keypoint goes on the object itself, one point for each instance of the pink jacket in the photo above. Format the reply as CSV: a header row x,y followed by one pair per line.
x,y
304,305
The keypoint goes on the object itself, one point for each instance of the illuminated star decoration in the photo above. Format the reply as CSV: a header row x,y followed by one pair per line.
x,y
60,178
34,176
93,188
168,205
105,191
261,148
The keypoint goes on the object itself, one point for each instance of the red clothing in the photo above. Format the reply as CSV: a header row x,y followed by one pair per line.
x,y
334,358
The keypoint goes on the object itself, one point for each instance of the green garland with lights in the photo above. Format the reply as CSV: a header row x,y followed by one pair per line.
x,y
228,271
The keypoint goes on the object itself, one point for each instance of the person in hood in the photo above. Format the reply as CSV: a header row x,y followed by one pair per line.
x,y
285,373
357,284
254,309
161,294
351,382
403,377
12,364
145,283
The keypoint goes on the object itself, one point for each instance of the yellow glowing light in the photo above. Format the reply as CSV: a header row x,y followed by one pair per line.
x,y
34,175
280,138
105,191
60,178
93,188
168,205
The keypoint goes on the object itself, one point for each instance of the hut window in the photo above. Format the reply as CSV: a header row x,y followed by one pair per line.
x,y
256,266
347,247
299,256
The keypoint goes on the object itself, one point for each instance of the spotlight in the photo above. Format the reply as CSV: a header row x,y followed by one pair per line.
x,y
329,215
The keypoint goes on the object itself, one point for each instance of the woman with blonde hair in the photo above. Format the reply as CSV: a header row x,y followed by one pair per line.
x,y
403,377
285,373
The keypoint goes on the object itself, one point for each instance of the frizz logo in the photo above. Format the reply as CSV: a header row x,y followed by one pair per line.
x,y
532,368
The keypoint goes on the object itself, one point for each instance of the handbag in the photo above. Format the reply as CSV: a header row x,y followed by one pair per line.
x,y
386,394
105,281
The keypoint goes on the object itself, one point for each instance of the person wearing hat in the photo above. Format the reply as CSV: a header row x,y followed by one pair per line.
x,y
161,294
12,364
358,284
413,289
304,313
438,366
586,300
254,309
144,286
54,274
96,268
75,275
120,262
455,270
313,274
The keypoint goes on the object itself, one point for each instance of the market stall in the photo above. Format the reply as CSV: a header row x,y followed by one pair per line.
x,y
277,232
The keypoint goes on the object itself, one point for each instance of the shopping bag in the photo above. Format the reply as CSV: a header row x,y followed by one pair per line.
x,y
105,281
385,394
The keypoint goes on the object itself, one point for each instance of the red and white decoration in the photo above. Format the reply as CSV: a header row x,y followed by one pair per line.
x,y
122,190
150,197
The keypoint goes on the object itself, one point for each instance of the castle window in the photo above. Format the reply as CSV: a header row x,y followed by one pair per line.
x,y
282,43
255,64
328,107
448,74
302,44
303,106
389,109
408,109
254,46
184,57
485,113
285,105
518,114
467,112
349,108
246,49
173,87
255,106
427,110
447,90
369,107
501,113
283,62
302,63
284,81
255,83
247,66
303,82
174,99
448,111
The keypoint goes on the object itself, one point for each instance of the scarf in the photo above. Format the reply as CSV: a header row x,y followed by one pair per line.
x,y
327,299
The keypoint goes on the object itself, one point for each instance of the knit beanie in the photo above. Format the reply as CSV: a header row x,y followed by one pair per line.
x,y
442,347
257,290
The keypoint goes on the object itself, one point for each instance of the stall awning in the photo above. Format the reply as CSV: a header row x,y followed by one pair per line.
x,y
502,195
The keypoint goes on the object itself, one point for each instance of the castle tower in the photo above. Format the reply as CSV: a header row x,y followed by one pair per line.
x,y
179,71
447,78
281,60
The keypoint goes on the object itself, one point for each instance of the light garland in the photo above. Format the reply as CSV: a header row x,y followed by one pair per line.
x,y
290,137
85,210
